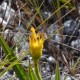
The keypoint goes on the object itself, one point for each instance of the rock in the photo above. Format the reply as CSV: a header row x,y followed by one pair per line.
x,y
68,78
8,14
45,69
69,27
51,59
52,31
71,30
76,43
53,77
46,14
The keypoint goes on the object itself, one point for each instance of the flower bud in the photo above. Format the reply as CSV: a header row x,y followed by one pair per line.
x,y
36,41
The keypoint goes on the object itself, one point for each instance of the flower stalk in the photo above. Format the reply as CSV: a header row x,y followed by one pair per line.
x,y
36,65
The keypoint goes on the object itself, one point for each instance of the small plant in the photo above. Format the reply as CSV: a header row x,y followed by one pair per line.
x,y
36,46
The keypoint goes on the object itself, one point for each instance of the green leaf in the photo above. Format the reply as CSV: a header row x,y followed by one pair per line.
x,y
57,75
32,74
18,68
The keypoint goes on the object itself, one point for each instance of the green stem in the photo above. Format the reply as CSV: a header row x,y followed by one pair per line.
x,y
37,70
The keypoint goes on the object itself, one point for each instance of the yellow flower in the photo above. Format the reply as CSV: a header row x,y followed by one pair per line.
x,y
36,41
